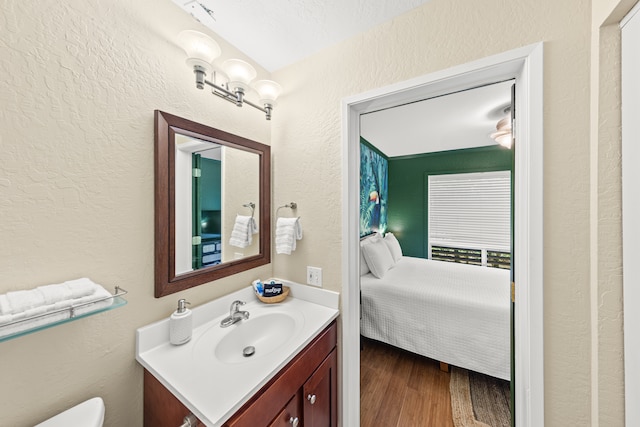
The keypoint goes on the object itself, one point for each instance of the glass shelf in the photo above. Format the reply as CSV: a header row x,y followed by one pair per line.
x,y
59,317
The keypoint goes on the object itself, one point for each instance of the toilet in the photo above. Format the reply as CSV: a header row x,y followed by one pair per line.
x,y
86,414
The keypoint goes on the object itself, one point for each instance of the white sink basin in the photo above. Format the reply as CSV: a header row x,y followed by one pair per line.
x,y
265,334
209,374
265,331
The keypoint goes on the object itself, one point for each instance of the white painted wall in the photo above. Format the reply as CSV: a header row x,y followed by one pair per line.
x,y
183,207
631,212
240,185
606,319
80,82
438,35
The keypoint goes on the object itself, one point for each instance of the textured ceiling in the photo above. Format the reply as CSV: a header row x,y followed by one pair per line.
x,y
280,32
451,122
277,33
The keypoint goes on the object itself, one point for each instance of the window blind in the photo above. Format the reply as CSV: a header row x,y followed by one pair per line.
x,y
470,210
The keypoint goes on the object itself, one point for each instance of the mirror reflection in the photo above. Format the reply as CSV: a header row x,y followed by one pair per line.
x,y
212,201
217,209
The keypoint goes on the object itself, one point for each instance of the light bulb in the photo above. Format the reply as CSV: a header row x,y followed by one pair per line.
x,y
268,90
201,49
503,132
240,73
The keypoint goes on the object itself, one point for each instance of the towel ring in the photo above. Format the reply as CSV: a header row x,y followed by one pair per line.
x,y
250,205
292,205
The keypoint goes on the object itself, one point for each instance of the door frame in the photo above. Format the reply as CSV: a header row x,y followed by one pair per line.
x,y
525,65
630,209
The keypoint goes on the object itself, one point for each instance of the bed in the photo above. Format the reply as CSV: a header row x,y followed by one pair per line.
x,y
454,313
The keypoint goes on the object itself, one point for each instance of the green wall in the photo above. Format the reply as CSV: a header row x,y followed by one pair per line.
x,y
407,207
211,184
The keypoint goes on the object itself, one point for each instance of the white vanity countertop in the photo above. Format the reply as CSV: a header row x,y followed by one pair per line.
x,y
214,390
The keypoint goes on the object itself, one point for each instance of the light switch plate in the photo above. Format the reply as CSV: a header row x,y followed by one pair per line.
x,y
314,276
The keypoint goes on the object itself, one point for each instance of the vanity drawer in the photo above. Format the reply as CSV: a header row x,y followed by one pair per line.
x,y
289,414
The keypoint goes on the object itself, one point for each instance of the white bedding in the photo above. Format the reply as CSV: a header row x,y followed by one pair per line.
x,y
454,313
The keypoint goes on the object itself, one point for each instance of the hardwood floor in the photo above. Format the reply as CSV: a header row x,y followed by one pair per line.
x,y
398,388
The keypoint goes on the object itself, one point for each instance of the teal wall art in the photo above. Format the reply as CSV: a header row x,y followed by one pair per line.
x,y
374,171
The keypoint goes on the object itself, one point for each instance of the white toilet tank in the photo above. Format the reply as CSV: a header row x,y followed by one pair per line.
x,y
86,414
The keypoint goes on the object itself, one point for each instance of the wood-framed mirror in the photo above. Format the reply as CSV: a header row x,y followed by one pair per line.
x,y
212,204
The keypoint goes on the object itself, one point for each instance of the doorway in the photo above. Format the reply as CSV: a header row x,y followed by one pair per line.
x,y
525,66
441,184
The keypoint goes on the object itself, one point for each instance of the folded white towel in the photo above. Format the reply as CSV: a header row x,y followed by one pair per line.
x,y
5,318
243,230
288,231
99,293
37,311
20,301
24,300
5,307
48,314
54,293
64,304
80,287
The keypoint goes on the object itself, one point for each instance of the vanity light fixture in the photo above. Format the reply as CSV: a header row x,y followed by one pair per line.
x,y
503,134
202,50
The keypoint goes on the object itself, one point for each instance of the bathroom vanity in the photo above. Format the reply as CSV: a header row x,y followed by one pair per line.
x,y
291,380
302,393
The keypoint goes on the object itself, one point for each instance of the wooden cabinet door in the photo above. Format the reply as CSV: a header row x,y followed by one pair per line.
x,y
291,415
319,395
269,401
161,408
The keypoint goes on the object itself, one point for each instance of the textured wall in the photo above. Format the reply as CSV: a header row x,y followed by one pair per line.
x,y
440,34
80,81
241,185
609,12
607,387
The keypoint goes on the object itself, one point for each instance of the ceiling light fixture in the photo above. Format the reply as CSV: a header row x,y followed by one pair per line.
x,y
503,134
202,50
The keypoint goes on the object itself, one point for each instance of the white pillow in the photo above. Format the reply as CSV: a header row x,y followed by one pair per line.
x,y
364,268
394,246
378,257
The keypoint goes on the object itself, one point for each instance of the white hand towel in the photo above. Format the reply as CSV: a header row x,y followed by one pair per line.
x,y
99,294
243,230
5,318
64,304
81,287
24,300
44,296
5,307
288,231
54,293
48,314
37,311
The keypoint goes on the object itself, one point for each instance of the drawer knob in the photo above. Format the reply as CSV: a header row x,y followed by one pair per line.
x,y
311,398
294,421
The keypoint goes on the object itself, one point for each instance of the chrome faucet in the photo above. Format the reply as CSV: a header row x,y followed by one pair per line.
x,y
235,315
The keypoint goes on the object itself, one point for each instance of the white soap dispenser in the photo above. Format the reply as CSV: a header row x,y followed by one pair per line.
x,y
180,324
